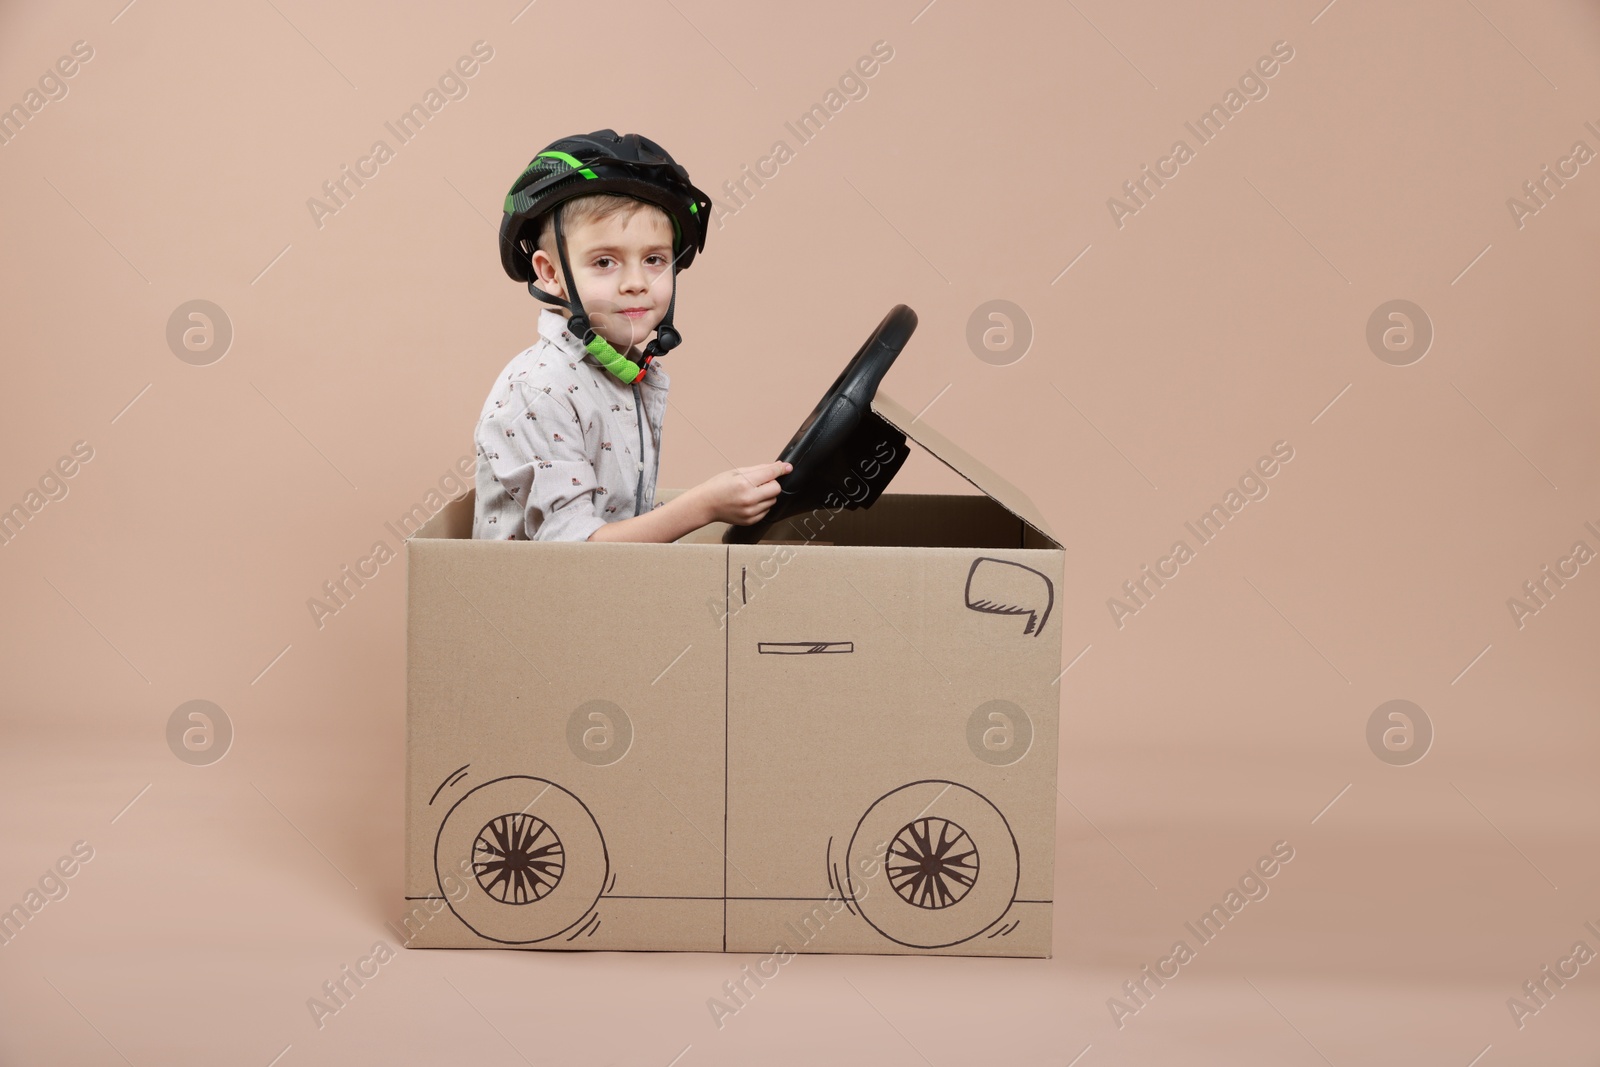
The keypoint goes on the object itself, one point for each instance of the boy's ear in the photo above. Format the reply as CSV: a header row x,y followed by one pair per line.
x,y
546,274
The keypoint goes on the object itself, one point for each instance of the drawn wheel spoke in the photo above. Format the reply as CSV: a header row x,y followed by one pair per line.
x,y
518,858
932,863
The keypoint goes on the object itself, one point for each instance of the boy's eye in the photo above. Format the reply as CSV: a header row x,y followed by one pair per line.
x,y
606,262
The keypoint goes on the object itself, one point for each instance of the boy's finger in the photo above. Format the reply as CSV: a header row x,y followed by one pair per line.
x,y
765,472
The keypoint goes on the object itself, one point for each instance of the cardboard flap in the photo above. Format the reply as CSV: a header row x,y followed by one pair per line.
x,y
962,462
453,520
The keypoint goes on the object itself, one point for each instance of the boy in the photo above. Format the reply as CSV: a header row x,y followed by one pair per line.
x,y
568,441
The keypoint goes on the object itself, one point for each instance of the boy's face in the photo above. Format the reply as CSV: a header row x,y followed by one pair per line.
x,y
623,269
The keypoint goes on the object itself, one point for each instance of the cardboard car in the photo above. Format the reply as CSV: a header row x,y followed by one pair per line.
x,y
840,738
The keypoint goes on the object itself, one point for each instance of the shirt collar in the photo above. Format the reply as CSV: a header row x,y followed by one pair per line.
x,y
553,328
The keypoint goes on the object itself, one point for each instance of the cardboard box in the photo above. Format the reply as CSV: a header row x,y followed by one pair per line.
x,y
846,746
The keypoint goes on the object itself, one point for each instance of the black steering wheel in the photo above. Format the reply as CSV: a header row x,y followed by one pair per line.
x,y
844,453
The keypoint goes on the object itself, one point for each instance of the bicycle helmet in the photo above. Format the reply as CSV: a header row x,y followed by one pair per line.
x,y
602,162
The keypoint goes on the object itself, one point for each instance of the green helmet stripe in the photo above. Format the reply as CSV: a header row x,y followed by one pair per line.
x,y
575,163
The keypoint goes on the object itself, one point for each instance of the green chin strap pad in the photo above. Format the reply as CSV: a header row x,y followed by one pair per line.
x,y
612,360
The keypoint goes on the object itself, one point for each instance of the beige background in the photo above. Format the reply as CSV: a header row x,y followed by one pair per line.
x,y
1228,314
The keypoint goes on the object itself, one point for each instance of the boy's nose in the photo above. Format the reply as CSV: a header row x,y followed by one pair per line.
x,y
633,279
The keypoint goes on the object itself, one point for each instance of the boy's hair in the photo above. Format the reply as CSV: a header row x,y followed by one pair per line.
x,y
594,208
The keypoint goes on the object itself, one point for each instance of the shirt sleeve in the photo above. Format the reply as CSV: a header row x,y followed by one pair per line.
x,y
541,462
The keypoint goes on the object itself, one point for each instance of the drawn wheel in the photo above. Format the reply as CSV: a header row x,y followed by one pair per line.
x,y
913,864
519,859
932,863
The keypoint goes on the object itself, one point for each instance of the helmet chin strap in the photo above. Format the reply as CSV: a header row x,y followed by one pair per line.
x,y
623,368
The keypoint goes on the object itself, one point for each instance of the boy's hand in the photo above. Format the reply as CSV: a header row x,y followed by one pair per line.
x,y
741,496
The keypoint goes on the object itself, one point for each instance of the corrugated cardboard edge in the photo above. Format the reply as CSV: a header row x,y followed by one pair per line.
x,y
963,463
453,521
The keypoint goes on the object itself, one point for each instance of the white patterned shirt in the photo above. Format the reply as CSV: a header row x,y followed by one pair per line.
x,y
558,443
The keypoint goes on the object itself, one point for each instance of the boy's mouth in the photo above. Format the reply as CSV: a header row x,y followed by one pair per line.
x,y
636,313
